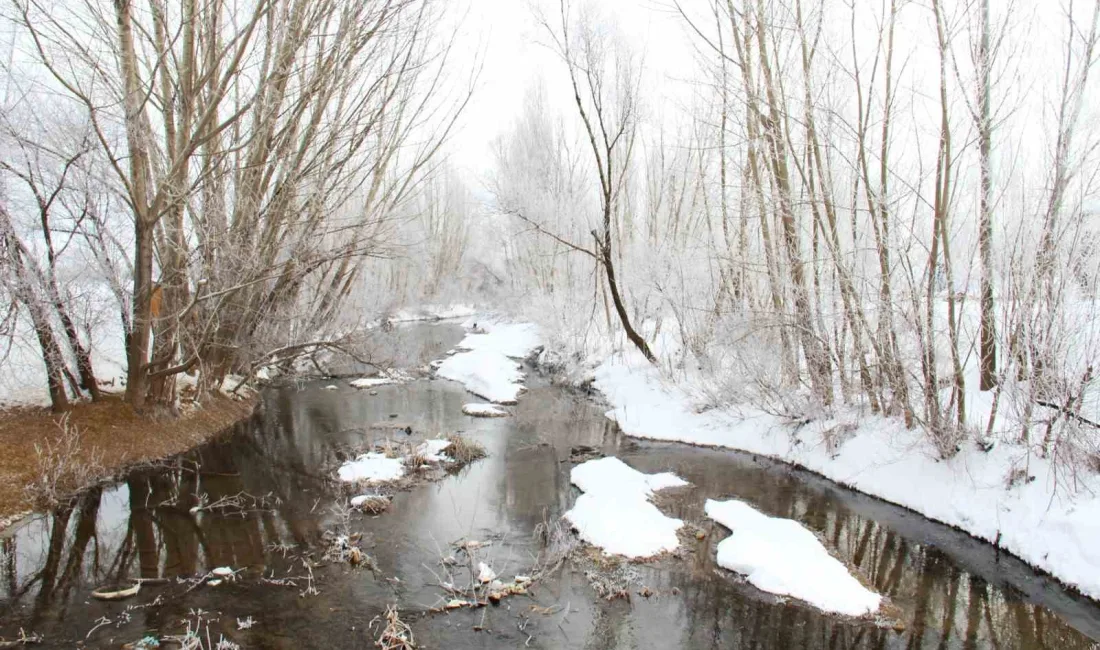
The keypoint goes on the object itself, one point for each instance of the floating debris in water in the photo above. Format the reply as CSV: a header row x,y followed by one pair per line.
x,y
116,592
485,573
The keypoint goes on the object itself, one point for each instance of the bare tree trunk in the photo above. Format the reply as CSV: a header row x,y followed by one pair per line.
x,y
985,228
942,216
879,211
40,320
137,140
941,242
80,353
816,360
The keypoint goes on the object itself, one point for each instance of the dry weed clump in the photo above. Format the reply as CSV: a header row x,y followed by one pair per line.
x,y
371,504
396,634
63,465
464,450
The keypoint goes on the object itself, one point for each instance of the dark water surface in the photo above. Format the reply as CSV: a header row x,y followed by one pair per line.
x,y
947,590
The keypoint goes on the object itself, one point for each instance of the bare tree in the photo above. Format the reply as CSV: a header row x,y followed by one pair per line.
x,y
23,288
265,147
985,229
604,79
46,173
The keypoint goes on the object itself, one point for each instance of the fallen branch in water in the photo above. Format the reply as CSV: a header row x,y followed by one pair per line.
x,y
23,640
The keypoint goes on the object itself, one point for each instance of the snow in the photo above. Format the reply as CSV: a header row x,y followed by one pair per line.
x,y
376,467
384,377
510,339
612,476
486,366
485,373
432,312
371,382
373,468
483,410
23,374
782,557
615,514
432,450
1038,521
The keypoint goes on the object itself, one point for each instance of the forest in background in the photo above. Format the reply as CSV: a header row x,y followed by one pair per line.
x,y
199,184
881,208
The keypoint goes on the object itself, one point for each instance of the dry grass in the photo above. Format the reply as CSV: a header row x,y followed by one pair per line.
x,y
417,460
464,450
374,504
62,465
93,442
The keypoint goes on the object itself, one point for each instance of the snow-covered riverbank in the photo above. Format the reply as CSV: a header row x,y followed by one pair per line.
x,y
1031,517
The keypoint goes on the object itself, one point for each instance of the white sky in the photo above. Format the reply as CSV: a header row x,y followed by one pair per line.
x,y
515,57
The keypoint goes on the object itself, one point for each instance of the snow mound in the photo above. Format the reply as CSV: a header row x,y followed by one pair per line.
x,y
487,367
373,468
485,373
510,339
432,450
484,410
615,514
782,557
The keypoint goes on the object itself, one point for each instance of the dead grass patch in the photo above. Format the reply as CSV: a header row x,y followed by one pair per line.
x,y
62,466
465,450
103,439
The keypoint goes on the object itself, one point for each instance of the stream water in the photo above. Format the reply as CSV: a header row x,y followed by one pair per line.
x,y
946,589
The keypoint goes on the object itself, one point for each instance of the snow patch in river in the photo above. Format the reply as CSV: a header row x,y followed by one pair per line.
x,y
432,450
372,467
384,377
376,467
487,366
615,514
781,556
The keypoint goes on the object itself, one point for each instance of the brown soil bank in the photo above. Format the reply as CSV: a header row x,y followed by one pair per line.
x,y
44,457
